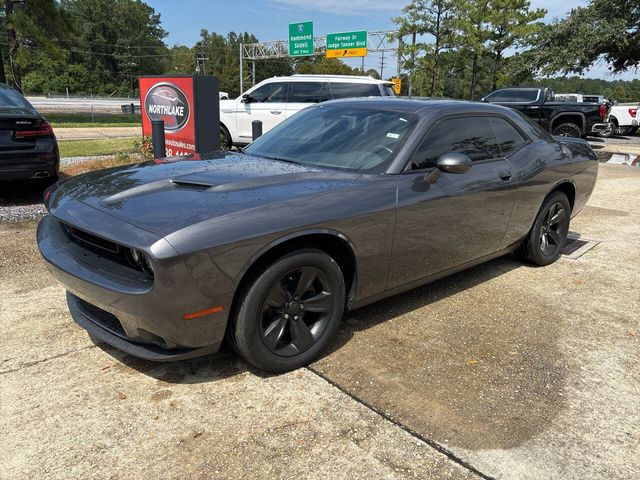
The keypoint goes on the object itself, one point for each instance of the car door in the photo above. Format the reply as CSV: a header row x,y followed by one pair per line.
x,y
444,219
305,94
267,103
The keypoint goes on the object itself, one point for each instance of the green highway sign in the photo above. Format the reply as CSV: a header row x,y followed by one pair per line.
x,y
301,39
347,44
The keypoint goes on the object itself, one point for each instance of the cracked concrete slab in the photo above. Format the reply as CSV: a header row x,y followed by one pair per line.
x,y
522,372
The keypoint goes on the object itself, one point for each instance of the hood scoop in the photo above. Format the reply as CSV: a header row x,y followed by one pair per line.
x,y
192,185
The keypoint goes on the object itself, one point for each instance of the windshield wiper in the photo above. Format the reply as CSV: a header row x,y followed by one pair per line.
x,y
283,160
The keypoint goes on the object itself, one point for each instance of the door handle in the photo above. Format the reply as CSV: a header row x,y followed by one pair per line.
x,y
505,174
276,112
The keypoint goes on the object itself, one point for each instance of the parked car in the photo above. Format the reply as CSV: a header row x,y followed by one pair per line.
x,y
560,118
28,147
346,203
275,99
223,96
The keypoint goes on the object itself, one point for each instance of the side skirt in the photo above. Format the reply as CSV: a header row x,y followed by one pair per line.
x,y
432,278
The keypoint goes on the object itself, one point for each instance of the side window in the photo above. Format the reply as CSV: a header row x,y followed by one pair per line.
x,y
513,95
472,136
309,92
509,139
354,90
270,93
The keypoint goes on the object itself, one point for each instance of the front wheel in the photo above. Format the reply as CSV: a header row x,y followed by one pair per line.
x,y
546,239
290,311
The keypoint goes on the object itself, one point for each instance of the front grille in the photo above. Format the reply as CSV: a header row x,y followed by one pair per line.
x,y
104,248
93,240
106,320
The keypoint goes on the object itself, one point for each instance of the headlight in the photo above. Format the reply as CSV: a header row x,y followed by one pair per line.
x,y
139,260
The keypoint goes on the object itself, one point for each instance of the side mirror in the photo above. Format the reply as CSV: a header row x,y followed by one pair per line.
x,y
246,98
454,163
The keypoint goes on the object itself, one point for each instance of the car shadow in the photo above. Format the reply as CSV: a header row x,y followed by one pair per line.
x,y
14,194
226,363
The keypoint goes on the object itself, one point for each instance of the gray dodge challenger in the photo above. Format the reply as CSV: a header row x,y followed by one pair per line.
x,y
343,204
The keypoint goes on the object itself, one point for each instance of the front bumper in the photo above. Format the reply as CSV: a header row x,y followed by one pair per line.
x,y
103,328
148,312
40,162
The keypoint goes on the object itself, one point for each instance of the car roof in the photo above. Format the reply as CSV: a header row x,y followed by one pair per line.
x,y
330,78
423,106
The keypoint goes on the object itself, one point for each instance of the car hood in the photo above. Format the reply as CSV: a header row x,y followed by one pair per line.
x,y
154,196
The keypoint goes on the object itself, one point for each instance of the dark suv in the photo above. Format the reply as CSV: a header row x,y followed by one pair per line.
x,y
28,147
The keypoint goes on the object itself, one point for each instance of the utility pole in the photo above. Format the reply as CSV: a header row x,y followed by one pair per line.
x,y
241,72
413,61
382,66
200,59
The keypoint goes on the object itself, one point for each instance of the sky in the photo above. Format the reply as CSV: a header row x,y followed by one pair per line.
x,y
269,19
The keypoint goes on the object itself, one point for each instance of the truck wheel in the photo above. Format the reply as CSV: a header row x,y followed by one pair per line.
x,y
225,138
567,130
626,130
610,131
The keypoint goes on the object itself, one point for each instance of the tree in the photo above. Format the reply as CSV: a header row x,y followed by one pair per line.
x,y
411,22
325,66
604,29
511,23
471,18
31,25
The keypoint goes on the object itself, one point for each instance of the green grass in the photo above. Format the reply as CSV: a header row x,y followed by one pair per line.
x,y
63,120
88,148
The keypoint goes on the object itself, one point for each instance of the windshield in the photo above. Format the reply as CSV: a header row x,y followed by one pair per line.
x,y
342,137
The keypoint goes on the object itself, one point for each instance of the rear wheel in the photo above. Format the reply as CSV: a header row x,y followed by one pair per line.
x,y
289,311
225,138
626,130
567,130
546,239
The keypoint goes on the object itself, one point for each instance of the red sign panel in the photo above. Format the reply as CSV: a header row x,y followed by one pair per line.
x,y
170,99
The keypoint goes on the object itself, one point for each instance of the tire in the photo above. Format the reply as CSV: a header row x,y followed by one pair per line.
x,y
610,131
289,311
225,138
625,130
567,130
533,248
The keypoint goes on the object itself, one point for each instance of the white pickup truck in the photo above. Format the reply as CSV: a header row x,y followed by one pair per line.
x,y
624,119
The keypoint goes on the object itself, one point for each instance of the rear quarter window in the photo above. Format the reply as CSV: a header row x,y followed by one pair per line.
x,y
513,95
354,90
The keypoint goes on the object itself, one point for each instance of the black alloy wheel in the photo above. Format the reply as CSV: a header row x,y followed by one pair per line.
x,y
567,130
289,311
552,235
296,311
547,237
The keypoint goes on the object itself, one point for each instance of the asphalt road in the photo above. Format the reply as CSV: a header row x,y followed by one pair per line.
x,y
503,371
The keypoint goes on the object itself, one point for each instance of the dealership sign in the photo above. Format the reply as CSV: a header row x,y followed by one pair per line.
x,y
347,44
301,39
189,107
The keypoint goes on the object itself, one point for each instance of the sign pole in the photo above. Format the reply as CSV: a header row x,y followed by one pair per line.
x,y
241,86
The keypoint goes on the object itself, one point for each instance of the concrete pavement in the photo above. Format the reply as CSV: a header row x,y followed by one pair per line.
x,y
512,371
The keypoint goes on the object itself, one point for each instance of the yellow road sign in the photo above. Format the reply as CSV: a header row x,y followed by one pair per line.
x,y
397,84
347,52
